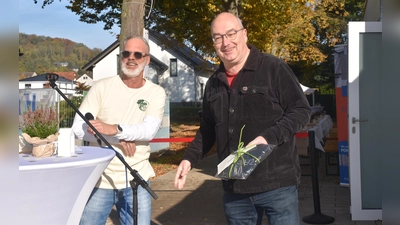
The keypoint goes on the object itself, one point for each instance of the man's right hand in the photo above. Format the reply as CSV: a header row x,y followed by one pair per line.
x,y
181,173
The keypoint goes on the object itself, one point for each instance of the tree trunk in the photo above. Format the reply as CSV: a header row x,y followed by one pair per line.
x,y
132,19
232,6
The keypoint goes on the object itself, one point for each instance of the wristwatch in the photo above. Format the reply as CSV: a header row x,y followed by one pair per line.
x,y
119,129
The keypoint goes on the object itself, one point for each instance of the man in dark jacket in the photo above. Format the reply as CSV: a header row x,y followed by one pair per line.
x,y
261,92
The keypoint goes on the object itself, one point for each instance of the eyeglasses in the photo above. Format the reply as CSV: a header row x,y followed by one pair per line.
x,y
230,35
137,55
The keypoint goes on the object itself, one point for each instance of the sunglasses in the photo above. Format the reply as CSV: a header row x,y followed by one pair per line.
x,y
137,55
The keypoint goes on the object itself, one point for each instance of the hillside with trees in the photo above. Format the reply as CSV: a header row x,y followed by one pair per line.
x,y
46,54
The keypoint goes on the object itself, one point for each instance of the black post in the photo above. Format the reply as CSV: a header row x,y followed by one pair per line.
x,y
317,217
135,212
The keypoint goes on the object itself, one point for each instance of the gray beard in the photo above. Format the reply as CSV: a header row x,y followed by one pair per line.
x,y
132,73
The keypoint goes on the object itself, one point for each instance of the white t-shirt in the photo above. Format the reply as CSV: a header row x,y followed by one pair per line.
x,y
139,111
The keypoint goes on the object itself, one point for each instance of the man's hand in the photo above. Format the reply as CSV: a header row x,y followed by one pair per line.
x,y
128,147
181,173
103,128
258,140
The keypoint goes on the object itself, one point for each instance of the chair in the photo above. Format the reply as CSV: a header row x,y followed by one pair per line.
x,y
331,152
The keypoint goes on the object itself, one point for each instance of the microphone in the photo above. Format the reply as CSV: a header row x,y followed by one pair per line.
x,y
90,116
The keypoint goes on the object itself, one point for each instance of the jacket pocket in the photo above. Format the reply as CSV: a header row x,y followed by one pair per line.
x,y
257,102
216,106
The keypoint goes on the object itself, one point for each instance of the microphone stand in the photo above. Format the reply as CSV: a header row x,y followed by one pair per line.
x,y
138,180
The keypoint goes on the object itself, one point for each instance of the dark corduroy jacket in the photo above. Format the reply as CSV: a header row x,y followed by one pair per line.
x,y
267,98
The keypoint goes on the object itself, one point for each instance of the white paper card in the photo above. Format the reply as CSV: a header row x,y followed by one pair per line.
x,y
66,142
229,159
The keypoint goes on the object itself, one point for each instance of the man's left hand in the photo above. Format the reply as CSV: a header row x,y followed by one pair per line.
x,y
258,140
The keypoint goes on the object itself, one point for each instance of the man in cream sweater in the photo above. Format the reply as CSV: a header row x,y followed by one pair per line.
x,y
128,111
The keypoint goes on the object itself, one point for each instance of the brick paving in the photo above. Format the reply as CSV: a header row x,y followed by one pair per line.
x,y
200,202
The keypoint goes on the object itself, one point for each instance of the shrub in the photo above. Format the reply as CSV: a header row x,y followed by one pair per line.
x,y
40,123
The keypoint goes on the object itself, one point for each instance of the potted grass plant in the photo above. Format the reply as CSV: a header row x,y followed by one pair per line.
x,y
40,129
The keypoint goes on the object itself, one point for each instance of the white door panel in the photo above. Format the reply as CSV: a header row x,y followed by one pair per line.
x,y
365,43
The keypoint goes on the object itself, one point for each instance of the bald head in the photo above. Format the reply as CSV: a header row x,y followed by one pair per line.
x,y
230,38
224,18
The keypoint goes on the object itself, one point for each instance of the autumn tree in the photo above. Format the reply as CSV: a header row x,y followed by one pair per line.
x,y
302,32
279,27
128,14
292,30
330,23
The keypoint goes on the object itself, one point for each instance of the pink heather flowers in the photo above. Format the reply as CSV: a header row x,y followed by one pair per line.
x,y
40,123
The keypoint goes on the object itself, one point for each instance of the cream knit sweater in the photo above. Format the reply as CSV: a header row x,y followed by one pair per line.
x,y
139,111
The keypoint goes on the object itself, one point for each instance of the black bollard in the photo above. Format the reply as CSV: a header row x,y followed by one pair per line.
x,y
317,217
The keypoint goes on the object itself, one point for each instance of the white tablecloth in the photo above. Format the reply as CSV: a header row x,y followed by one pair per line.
x,y
321,129
54,190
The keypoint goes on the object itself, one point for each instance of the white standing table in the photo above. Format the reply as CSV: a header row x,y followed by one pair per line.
x,y
54,190
321,129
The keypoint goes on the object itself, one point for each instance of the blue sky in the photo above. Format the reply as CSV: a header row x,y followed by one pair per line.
x,y
57,21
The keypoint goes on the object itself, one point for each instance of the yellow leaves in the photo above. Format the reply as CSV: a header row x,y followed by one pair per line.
x,y
282,28
212,7
291,29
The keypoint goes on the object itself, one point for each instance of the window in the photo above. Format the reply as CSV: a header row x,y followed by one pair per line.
x,y
27,86
201,91
173,67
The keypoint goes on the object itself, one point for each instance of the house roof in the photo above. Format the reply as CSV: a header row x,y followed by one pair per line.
x,y
68,75
24,75
42,77
185,52
160,66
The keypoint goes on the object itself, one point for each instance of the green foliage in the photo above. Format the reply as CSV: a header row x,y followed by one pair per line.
x,y
67,112
40,123
302,32
326,90
41,53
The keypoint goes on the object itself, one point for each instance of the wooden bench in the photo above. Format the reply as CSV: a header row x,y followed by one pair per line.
x,y
332,134
331,152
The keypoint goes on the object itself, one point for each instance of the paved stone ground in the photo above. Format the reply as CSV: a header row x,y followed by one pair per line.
x,y
200,203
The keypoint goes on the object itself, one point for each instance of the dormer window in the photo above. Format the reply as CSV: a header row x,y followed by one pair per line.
x,y
173,67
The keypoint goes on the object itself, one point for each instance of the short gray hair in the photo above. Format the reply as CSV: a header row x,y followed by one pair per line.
x,y
137,37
